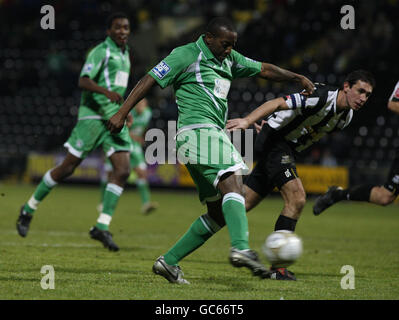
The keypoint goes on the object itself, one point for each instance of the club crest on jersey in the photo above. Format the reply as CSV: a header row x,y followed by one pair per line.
x,y
87,67
161,69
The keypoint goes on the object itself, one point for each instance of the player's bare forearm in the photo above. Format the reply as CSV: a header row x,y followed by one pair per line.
x,y
117,121
275,73
88,84
266,109
139,92
393,106
259,113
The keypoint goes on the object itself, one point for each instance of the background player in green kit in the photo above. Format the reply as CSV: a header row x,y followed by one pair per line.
x,y
104,78
201,73
141,116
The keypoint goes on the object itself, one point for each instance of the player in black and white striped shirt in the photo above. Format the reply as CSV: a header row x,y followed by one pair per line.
x,y
295,123
377,194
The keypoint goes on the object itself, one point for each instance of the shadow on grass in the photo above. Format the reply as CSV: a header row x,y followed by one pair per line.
x,y
13,278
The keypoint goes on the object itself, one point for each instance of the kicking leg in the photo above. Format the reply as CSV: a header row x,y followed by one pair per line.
x,y
233,209
113,191
48,182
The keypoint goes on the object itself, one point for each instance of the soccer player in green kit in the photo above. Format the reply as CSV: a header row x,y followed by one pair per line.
x,y
104,78
137,124
201,73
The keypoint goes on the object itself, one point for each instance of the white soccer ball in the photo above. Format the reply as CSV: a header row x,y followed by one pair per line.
x,y
282,248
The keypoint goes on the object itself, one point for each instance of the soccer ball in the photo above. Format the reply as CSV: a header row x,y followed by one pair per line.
x,y
282,248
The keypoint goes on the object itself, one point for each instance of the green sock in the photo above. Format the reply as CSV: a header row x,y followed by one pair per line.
x,y
200,231
111,196
144,190
103,185
42,190
233,208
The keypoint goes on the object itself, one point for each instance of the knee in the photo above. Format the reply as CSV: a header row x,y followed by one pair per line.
x,y
243,191
387,200
69,170
121,173
297,202
231,183
63,171
141,174
215,212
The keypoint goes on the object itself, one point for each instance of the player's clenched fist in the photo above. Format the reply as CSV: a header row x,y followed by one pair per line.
x,y
115,124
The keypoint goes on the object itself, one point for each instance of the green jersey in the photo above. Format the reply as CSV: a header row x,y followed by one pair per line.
x,y
109,67
201,82
140,121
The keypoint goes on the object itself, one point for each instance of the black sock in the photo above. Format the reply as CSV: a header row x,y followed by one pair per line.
x,y
360,193
285,223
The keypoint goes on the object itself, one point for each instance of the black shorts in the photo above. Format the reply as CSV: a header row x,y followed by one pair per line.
x,y
392,183
275,167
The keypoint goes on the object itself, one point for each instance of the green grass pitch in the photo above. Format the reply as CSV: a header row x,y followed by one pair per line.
x,y
361,235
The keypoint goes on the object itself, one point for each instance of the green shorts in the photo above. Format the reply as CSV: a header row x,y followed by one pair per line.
x,y
137,159
89,134
208,154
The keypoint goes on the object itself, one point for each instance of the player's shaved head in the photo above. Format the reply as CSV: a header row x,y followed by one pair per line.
x,y
220,37
218,24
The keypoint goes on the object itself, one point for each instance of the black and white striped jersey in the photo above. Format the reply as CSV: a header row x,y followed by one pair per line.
x,y
395,94
310,117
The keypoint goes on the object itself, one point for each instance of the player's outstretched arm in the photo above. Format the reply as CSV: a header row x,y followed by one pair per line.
x,y
115,124
272,72
261,112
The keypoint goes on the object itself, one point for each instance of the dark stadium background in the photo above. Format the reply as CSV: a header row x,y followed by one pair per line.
x,y
39,69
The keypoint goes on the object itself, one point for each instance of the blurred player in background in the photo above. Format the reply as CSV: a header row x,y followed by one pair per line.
x,y
103,79
201,73
380,195
296,122
137,124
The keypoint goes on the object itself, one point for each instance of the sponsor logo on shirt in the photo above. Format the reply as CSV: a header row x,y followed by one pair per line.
x,y
87,67
222,87
121,79
161,69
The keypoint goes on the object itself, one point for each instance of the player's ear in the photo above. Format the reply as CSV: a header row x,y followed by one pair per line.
x,y
209,37
346,86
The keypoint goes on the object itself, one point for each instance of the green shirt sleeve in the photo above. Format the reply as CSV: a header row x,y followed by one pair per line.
x,y
166,72
93,63
244,67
